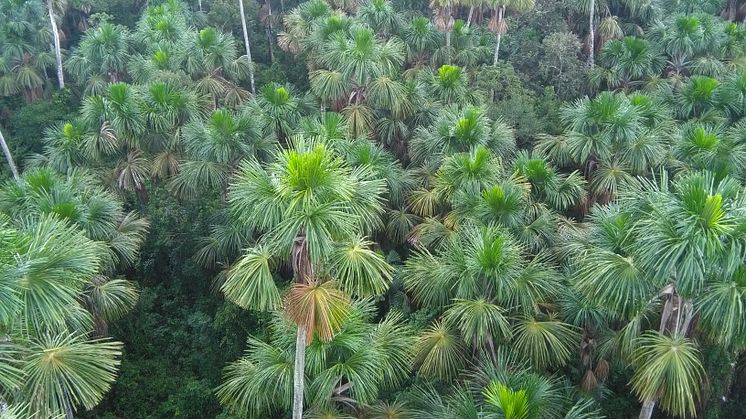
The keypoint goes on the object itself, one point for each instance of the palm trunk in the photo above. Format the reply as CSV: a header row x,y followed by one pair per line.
x,y
9,157
66,402
269,32
303,271
471,14
200,5
57,51
592,38
449,28
731,11
248,47
500,14
647,409
298,372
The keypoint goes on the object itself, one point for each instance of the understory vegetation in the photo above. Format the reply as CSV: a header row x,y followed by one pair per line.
x,y
518,209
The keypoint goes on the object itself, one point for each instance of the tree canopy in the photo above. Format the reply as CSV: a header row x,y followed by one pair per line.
x,y
372,209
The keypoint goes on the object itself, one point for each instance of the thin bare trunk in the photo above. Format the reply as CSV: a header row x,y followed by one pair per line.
x,y
66,402
449,28
298,372
471,14
491,345
270,32
57,50
646,412
688,316
448,45
200,5
732,10
248,47
497,49
592,37
500,14
9,157
303,271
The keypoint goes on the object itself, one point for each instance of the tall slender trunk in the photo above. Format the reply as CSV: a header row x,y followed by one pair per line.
x,y
66,402
248,47
449,28
200,5
592,38
298,372
471,14
731,10
9,157
303,271
500,14
57,51
269,32
448,45
647,409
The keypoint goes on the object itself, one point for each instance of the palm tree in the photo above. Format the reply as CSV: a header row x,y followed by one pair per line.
x,y
559,190
484,274
58,371
247,45
497,23
611,137
74,236
654,253
280,109
421,38
80,199
23,63
214,148
461,130
301,23
361,73
381,16
101,55
630,61
449,86
64,147
314,207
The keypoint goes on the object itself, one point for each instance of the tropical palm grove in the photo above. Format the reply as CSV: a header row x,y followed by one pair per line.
x,y
518,209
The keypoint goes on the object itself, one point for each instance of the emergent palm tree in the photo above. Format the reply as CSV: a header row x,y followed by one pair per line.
x,y
313,209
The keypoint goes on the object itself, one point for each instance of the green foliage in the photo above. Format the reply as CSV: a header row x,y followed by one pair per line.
x,y
532,238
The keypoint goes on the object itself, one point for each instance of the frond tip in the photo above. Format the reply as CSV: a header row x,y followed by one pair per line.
x,y
250,284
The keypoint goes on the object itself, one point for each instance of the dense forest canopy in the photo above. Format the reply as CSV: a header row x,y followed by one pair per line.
x,y
513,209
